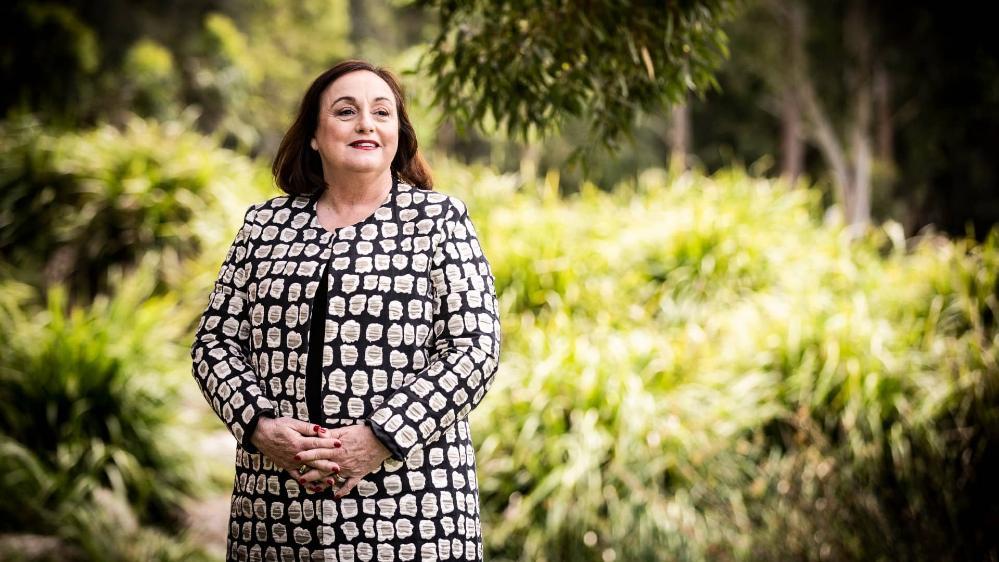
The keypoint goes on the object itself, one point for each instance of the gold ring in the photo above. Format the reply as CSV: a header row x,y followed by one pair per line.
x,y
303,469
340,480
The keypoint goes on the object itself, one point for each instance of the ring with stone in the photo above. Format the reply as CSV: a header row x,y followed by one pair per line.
x,y
340,480
303,469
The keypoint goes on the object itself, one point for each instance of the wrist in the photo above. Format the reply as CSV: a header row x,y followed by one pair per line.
x,y
262,427
383,452
384,439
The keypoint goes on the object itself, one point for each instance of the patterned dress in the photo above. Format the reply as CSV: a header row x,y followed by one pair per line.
x,y
391,322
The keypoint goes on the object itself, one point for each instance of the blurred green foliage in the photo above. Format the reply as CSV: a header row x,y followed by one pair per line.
x,y
90,450
101,263
696,368
239,65
254,60
693,365
74,205
506,63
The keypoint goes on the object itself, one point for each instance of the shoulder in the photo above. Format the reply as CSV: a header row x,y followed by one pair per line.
x,y
280,207
430,204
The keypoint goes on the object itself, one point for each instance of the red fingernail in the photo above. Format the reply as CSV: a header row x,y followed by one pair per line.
x,y
301,480
322,430
298,458
315,428
336,445
335,470
330,482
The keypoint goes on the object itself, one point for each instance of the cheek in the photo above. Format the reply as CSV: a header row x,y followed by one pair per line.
x,y
392,140
323,133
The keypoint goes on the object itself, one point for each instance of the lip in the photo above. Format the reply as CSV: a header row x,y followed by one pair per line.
x,y
364,144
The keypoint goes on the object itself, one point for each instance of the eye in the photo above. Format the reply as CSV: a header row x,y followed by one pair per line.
x,y
346,111
383,113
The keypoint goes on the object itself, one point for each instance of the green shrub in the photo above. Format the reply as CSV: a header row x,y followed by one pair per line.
x,y
74,204
86,404
696,368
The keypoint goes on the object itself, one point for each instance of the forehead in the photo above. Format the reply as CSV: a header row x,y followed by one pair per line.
x,y
360,85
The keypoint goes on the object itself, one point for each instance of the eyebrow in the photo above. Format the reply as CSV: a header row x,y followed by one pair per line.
x,y
352,99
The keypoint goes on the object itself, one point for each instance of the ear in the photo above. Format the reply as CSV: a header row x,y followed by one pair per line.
x,y
314,144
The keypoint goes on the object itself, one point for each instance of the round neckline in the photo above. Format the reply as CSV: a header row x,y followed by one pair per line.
x,y
388,202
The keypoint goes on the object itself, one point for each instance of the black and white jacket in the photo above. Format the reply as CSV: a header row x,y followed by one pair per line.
x,y
398,314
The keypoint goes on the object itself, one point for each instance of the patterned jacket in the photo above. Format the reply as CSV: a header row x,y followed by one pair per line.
x,y
410,346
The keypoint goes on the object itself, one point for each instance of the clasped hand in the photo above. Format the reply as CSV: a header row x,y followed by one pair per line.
x,y
350,451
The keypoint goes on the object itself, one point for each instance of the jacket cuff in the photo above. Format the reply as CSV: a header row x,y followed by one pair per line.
x,y
249,427
386,439
397,436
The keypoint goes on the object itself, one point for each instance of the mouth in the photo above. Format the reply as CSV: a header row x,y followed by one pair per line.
x,y
364,145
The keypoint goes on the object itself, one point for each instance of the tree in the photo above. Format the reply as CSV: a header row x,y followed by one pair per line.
x,y
529,66
850,157
241,64
809,65
932,119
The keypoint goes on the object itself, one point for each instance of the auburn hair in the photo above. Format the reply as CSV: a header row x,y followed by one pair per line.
x,y
298,170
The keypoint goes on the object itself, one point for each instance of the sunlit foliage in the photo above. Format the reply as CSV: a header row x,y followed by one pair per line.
x,y
527,66
698,369
694,368
88,421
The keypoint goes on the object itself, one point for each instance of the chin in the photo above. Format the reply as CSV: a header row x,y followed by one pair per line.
x,y
365,167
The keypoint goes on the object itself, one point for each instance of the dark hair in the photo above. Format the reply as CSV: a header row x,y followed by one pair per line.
x,y
298,170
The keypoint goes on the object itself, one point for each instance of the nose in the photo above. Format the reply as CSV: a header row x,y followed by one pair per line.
x,y
365,122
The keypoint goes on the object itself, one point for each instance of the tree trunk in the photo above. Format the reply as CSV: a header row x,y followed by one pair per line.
x,y
884,125
679,137
792,144
792,149
830,147
859,202
848,160
858,43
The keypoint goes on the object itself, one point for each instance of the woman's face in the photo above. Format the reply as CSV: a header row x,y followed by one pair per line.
x,y
358,128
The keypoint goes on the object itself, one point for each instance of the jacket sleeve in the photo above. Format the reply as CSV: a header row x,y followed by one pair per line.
x,y
465,346
221,349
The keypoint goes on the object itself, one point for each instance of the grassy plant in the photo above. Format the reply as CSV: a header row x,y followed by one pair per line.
x,y
696,368
72,205
85,405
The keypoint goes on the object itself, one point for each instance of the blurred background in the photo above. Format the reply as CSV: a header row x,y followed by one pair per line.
x,y
746,254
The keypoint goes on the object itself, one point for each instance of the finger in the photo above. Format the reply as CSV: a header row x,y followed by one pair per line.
x,y
311,455
320,443
303,427
347,487
316,485
320,459
296,473
313,475
329,467
293,472
306,428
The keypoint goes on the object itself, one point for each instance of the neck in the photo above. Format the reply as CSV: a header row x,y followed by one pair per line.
x,y
346,190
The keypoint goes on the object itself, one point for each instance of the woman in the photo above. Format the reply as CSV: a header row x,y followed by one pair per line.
x,y
352,328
